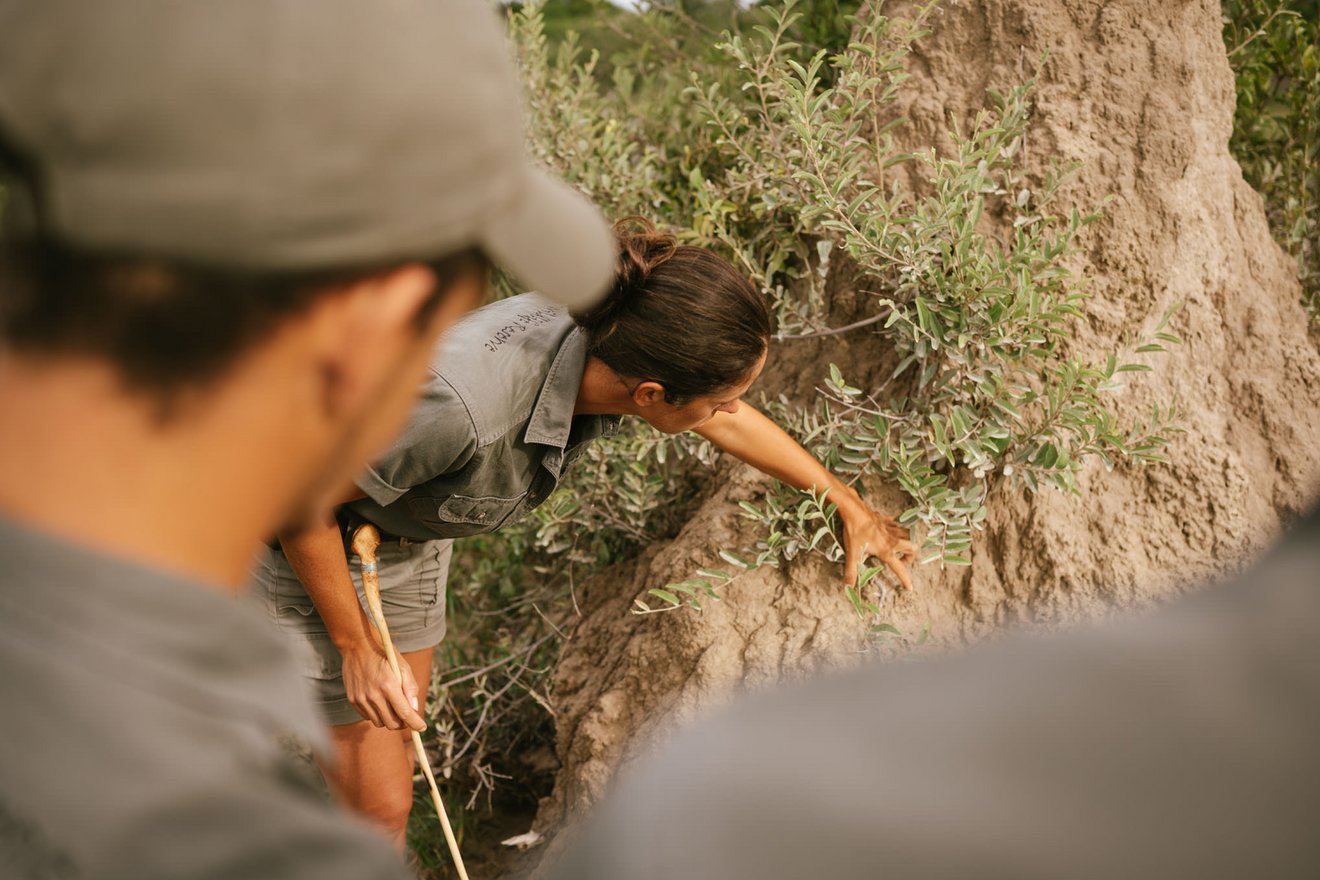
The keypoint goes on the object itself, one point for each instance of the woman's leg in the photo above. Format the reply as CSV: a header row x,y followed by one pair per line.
x,y
372,767
373,771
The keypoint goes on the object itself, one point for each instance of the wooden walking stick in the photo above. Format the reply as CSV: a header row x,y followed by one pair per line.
x,y
365,541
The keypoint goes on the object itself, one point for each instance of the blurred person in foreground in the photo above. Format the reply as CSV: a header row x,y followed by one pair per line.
x,y
233,234
1181,743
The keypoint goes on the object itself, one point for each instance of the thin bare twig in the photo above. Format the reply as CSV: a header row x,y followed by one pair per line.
x,y
834,331
550,623
1260,32
497,664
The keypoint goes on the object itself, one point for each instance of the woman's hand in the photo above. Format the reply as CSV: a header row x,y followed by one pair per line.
x,y
317,557
869,534
752,437
374,690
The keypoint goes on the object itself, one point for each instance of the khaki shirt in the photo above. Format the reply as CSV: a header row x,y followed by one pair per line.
x,y
493,432
139,724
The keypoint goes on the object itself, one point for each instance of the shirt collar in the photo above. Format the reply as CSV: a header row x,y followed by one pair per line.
x,y
552,418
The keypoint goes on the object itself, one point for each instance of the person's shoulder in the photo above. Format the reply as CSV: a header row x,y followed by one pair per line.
x,y
495,361
184,756
207,830
501,329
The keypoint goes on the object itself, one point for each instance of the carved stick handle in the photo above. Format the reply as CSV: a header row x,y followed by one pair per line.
x,y
365,542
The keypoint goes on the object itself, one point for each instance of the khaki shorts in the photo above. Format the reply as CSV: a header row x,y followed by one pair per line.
x,y
412,593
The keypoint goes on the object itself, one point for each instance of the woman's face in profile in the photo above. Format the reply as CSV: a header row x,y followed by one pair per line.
x,y
668,418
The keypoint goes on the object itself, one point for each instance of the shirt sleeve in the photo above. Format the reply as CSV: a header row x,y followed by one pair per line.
x,y
440,438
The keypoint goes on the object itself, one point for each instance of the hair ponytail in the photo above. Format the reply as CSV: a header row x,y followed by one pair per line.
x,y
677,315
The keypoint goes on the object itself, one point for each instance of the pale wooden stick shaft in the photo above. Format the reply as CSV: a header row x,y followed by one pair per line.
x,y
365,541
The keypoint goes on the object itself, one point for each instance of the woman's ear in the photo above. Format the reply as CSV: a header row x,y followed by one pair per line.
x,y
648,394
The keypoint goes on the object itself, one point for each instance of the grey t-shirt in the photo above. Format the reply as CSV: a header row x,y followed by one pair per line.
x,y
1184,743
494,429
139,724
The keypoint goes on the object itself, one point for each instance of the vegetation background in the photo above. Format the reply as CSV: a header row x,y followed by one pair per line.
x,y
1274,48
762,143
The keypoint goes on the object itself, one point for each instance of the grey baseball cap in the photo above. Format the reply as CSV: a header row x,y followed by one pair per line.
x,y
285,135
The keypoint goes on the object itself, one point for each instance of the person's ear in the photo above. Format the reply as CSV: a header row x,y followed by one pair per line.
x,y
390,302
648,394
365,329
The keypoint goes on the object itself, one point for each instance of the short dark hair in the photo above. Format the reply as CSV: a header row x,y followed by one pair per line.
x,y
165,327
678,315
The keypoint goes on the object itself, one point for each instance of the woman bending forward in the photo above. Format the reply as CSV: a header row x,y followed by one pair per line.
x,y
515,393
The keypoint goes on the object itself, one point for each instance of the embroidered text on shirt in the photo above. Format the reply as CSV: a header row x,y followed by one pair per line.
x,y
522,322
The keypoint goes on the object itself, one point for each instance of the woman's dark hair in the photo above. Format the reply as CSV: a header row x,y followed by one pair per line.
x,y
677,315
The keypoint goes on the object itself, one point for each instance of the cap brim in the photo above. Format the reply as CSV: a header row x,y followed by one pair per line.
x,y
554,241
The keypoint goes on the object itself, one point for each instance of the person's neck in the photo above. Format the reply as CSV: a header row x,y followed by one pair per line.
x,y
603,392
85,461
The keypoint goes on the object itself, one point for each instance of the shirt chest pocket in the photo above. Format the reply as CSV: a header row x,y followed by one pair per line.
x,y
456,516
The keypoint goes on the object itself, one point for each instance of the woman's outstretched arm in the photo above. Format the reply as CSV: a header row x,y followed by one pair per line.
x,y
752,437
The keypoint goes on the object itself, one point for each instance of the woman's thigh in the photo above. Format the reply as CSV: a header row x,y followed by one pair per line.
x,y
373,768
413,578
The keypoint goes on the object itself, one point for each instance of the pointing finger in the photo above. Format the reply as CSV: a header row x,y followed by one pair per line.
x,y
900,571
852,556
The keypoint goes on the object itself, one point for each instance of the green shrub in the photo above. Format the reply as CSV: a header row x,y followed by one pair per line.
x,y
786,167
980,324
1274,47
